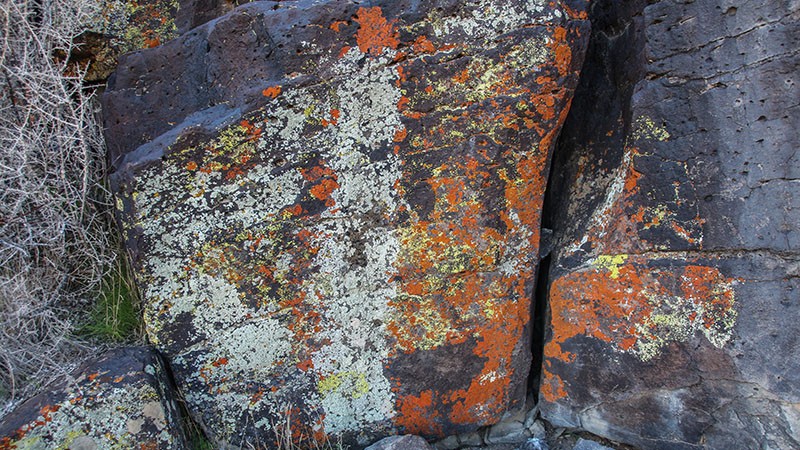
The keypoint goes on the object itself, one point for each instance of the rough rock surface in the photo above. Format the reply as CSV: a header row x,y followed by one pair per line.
x,y
334,208
674,290
586,444
405,442
120,400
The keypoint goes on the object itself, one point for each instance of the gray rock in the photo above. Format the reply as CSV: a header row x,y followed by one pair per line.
x,y
586,444
405,442
120,400
473,439
534,444
448,443
511,430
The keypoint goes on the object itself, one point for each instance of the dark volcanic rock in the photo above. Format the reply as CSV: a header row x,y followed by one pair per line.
x,y
121,400
674,287
334,209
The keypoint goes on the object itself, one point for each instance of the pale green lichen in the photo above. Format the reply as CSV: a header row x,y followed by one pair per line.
x,y
193,267
110,419
678,318
486,19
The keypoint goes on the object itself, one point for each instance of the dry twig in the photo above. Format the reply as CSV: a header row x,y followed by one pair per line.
x,y
55,226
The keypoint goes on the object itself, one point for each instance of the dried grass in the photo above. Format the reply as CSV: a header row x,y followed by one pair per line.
x,y
56,233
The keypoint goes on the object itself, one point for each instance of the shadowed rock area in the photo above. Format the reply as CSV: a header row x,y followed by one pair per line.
x,y
334,209
674,285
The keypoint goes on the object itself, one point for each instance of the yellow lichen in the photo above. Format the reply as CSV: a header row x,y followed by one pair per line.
x,y
646,129
610,263
355,384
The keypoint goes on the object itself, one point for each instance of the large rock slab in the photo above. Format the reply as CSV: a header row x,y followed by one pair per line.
x,y
120,400
673,301
334,209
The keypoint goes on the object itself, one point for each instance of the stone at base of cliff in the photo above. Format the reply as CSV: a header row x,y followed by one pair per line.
x,y
120,400
586,444
405,442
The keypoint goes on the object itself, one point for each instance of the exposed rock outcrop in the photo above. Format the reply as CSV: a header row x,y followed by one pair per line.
x,y
674,285
121,400
334,209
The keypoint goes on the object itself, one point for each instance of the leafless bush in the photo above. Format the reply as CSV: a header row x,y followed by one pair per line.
x,y
55,228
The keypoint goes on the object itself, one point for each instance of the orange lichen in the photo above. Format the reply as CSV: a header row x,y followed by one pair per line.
x,y
417,414
573,13
272,91
252,133
220,362
375,33
337,25
423,45
562,51
324,189
400,135
626,305
552,388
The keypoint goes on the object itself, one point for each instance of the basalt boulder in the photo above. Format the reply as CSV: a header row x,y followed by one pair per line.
x,y
334,209
674,287
120,400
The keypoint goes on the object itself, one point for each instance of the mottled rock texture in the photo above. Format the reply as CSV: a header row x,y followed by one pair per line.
x,y
674,288
334,209
120,400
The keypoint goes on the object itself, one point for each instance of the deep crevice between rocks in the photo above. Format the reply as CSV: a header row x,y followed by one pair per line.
x,y
193,432
539,325
595,128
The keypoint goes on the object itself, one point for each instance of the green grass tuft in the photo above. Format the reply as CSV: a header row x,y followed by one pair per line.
x,y
116,317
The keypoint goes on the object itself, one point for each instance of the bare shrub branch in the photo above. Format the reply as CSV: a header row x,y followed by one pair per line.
x,y
56,231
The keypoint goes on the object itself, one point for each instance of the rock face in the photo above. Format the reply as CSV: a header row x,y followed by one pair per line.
x,y
334,209
673,291
121,400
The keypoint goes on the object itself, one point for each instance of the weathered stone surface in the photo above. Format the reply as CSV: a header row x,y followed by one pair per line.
x,y
334,208
405,442
193,13
674,287
118,26
121,400
122,26
586,444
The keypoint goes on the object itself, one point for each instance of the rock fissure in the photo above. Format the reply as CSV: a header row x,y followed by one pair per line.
x,y
677,80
